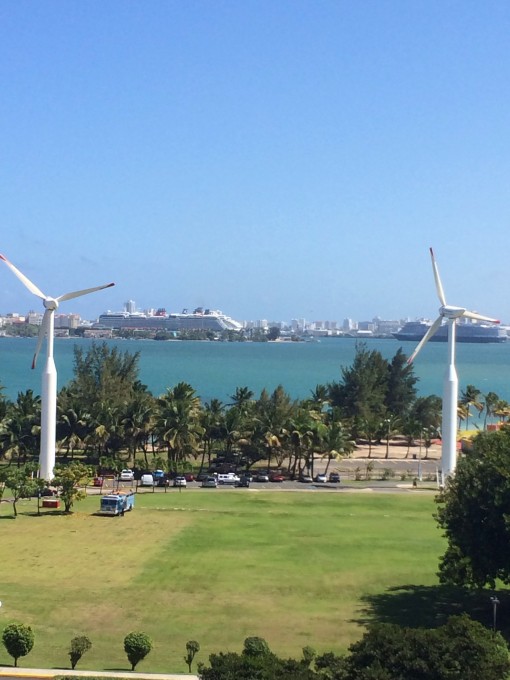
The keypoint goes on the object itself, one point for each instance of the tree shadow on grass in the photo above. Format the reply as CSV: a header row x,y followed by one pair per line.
x,y
430,606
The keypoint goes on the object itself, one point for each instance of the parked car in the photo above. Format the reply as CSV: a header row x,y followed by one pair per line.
x,y
321,479
126,475
189,476
147,480
261,477
209,482
244,481
305,479
277,478
334,478
97,481
180,481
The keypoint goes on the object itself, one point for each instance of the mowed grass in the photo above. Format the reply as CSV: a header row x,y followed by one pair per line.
x,y
215,566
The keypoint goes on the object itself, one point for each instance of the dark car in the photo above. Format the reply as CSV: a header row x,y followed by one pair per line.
x,y
334,478
244,481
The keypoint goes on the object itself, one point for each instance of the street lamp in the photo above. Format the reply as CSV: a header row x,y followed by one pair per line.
x,y
495,603
419,458
387,421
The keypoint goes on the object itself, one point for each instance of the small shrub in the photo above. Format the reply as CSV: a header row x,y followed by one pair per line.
x,y
79,645
137,646
255,646
192,648
18,640
387,474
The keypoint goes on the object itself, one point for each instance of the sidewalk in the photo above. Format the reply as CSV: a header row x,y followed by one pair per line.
x,y
10,671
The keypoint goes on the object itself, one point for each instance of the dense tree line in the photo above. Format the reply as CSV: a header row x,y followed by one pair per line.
x,y
106,412
462,649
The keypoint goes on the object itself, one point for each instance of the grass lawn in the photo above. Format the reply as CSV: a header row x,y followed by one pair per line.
x,y
297,568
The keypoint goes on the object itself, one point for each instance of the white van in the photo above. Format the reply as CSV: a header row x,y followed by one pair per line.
x,y
229,478
146,480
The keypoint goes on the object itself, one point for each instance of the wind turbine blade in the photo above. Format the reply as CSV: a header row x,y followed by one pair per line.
x,y
439,285
42,332
31,287
79,293
480,317
426,338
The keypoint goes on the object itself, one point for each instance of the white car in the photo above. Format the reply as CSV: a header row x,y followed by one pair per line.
x,y
126,475
321,479
180,481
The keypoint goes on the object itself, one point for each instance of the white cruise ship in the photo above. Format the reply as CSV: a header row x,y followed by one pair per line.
x,y
199,319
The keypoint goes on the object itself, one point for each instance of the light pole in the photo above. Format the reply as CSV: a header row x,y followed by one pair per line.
x,y
387,421
495,603
419,458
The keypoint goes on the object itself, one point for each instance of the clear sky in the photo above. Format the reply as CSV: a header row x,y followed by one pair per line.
x,y
270,158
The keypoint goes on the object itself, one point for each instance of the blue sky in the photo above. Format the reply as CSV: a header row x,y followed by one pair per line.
x,y
270,158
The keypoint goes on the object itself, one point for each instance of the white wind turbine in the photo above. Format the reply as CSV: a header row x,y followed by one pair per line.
x,y
49,376
451,382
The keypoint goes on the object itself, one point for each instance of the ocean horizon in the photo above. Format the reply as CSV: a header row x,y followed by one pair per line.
x,y
216,369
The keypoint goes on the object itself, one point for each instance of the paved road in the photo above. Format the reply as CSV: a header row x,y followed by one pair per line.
x,y
9,673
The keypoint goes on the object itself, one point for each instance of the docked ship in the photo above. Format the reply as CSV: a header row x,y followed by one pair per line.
x,y
414,331
199,320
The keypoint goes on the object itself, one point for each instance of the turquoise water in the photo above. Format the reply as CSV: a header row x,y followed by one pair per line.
x,y
215,369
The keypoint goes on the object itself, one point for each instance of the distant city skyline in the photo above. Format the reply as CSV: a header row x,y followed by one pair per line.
x,y
269,159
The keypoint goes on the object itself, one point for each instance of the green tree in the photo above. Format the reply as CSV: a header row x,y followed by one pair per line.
x,y
22,483
137,646
177,423
401,390
79,645
462,649
473,512
192,648
18,640
68,478
104,375
362,391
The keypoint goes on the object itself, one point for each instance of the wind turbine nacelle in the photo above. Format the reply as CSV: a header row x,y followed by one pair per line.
x,y
50,303
451,312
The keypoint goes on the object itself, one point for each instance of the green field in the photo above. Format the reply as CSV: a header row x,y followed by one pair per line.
x,y
297,568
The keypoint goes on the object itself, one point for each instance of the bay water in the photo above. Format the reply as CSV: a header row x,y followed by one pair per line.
x,y
216,369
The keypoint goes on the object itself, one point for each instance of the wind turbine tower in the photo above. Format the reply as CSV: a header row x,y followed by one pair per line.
x,y
451,382
49,376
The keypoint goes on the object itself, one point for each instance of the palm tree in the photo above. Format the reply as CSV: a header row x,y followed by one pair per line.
x,y
471,397
241,399
138,422
502,410
212,419
490,401
20,433
370,428
336,443
177,423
